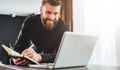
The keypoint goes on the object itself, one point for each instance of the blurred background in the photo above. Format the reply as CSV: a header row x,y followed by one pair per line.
x,y
91,17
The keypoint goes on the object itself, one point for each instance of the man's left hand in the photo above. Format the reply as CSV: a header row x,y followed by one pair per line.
x,y
32,54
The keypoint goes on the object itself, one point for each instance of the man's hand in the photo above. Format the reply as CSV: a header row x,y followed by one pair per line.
x,y
30,53
20,61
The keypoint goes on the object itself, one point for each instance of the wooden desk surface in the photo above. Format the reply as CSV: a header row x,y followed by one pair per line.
x,y
89,67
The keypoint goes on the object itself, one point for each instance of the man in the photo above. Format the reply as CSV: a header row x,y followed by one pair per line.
x,y
44,31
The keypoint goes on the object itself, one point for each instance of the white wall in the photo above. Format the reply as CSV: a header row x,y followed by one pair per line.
x,y
117,38
19,7
105,13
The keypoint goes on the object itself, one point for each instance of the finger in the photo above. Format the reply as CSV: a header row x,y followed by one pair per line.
x,y
30,55
16,60
25,51
24,63
28,52
18,63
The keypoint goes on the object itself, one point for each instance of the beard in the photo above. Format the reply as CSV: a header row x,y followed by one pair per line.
x,y
49,24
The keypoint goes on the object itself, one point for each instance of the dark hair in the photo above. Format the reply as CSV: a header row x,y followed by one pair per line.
x,y
52,2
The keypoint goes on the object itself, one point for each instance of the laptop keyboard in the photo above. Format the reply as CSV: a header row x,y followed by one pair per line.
x,y
50,64
42,65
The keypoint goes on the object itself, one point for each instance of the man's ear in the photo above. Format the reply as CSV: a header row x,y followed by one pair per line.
x,y
40,10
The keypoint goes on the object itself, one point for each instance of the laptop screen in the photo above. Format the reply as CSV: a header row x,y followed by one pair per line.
x,y
75,50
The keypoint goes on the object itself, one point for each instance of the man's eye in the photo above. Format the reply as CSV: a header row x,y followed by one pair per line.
x,y
55,13
48,12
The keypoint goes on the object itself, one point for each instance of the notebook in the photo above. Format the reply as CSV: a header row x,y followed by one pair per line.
x,y
15,54
75,50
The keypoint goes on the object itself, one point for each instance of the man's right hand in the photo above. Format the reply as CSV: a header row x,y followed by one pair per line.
x,y
20,61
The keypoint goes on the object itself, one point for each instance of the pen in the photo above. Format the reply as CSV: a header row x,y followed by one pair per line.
x,y
31,46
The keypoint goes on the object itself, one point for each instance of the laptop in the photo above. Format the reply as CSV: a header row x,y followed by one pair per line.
x,y
75,50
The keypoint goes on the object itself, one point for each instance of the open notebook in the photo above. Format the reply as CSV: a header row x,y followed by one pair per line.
x,y
13,53
75,50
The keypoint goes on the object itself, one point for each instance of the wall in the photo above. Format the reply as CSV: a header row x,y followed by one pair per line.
x,y
117,39
104,15
20,7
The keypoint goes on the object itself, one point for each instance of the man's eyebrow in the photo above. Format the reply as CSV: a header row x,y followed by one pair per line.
x,y
56,13
51,12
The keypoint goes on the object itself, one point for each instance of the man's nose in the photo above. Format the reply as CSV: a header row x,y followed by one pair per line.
x,y
52,16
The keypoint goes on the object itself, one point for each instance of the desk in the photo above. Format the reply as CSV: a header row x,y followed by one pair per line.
x,y
89,67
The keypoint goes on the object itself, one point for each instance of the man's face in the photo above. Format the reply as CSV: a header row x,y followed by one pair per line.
x,y
50,15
